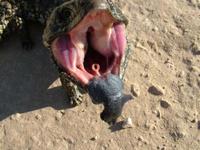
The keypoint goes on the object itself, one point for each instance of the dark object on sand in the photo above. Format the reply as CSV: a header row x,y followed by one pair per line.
x,y
109,91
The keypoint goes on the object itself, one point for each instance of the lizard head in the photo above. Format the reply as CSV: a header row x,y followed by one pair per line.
x,y
87,38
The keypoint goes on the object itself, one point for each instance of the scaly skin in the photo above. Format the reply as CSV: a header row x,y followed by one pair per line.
x,y
59,16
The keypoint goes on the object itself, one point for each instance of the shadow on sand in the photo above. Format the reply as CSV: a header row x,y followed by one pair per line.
x,y
25,77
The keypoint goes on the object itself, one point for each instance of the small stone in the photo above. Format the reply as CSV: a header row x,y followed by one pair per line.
x,y
146,142
164,104
135,90
18,115
157,113
163,137
94,138
156,90
127,123
58,115
194,121
69,140
153,127
62,112
111,140
15,116
38,116
155,29
146,75
140,138
181,74
104,147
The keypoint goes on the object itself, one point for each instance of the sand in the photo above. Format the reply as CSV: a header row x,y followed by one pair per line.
x,y
163,74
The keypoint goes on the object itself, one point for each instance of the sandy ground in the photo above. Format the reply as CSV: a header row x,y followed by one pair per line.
x,y
163,71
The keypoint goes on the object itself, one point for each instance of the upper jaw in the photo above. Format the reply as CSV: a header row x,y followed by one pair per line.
x,y
69,14
94,47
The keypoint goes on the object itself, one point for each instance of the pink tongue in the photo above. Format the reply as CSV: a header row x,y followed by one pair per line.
x,y
68,57
110,42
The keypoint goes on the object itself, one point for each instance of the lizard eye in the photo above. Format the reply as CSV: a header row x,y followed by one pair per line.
x,y
65,15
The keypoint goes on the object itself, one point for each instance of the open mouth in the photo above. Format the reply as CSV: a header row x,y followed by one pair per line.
x,y
92,48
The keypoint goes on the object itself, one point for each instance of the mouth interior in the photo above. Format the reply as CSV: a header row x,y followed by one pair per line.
x,y
93,58
92,48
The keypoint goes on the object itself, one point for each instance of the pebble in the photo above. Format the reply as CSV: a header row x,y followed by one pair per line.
x,y
155,29
156,90
127,123
181,74
104,147
69,140
62,112
140,138
135,90
15,116
38,116
58,115
164,104
94,138
194,120
157,113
